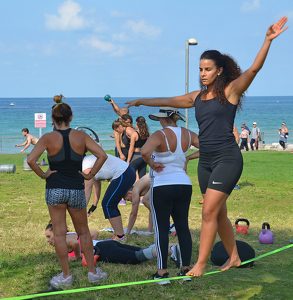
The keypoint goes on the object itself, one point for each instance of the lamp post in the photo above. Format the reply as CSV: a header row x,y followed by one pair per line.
x,y
188,42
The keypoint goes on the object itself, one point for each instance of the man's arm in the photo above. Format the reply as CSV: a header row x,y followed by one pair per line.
x,y
22,144
28,143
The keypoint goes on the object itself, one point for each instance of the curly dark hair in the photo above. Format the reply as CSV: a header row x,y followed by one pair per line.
x,y
142,127
231,71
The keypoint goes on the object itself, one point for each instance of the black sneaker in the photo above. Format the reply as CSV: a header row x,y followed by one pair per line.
x,y
176,255
163,282
183,273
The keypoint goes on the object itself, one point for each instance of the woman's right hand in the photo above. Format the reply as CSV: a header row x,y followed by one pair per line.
x,y
132,103
158,167
276,29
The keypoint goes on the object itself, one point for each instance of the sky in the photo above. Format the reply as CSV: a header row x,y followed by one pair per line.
x,y
131,48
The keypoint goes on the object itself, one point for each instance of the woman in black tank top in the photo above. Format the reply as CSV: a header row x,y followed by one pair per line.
x,y
137,140
222,89
125,130
65,184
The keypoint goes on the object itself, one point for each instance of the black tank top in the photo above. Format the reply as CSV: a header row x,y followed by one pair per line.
x,y
67,163
215,122
140,142
125,140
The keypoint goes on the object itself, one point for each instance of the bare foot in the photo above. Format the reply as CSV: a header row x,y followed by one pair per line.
x,y
229,264
197,270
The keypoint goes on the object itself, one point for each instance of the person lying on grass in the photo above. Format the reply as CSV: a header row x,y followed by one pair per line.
x,y
112,251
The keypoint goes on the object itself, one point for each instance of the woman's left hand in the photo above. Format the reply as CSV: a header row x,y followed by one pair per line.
x,y
49,173
276,29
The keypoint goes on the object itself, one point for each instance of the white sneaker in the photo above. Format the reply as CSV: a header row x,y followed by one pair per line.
x,y
59,280
163,282
96,277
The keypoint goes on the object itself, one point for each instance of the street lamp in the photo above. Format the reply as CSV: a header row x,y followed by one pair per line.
x,y
188,42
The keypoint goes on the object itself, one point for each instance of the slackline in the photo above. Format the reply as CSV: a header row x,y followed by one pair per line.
x,y
132,283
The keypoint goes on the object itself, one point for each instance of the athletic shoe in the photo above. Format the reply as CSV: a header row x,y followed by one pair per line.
x,y
291,241
236,187
140,202
176,255
183,273
163,282
59,280
117,239
96,277
122,202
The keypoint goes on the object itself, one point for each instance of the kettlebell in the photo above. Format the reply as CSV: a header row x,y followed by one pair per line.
x,y
266,236
107,97
240,228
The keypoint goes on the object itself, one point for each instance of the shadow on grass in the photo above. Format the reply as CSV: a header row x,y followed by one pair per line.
x,y
245,184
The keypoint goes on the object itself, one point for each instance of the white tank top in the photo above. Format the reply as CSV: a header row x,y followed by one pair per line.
x,y
174,162
112,168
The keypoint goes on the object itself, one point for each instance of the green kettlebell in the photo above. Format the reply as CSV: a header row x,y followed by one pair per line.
x,y
107,97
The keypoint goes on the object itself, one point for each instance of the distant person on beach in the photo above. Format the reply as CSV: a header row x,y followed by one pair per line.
x,y
237,139
220,164
111,251
244,135
30,139
121,176
140,189
65,185
246,127
255,132
283,132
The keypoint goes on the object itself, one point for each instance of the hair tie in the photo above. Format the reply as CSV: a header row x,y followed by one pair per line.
x,y
59,103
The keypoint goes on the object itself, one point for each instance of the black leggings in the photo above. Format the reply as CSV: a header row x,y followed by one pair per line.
x,y
114,252
138,163
166,201
282,143
244,144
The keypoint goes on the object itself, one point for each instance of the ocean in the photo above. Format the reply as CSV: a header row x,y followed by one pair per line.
x,y
97,114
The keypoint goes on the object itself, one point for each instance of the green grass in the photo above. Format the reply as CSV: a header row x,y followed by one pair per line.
x,y
27,262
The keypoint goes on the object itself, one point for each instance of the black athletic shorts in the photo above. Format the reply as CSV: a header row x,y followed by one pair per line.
x,y
220,170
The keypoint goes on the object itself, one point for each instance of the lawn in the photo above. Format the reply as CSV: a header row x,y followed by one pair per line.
x,y
27,262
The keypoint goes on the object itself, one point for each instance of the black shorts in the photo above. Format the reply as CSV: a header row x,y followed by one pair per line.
x,y
220,170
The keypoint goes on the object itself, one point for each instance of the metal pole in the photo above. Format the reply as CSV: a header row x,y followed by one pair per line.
x,y
186,78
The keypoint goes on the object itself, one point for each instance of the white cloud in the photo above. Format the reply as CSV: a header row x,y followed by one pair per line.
x,y
117,14
68,18
248,6
96,43
141,27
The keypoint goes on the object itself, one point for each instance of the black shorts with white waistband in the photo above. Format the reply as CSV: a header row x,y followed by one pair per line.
x,y
220,170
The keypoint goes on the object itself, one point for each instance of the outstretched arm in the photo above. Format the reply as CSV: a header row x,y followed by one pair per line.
x,y
116,108
238,86
28,143
184,101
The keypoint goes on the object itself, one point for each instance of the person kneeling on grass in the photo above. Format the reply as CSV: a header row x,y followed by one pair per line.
x,y
112,251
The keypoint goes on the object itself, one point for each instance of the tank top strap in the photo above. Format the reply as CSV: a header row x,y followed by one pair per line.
x,y
168,147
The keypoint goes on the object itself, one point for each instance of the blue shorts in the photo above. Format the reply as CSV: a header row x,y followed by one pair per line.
x,y
73,198
220,170
116,191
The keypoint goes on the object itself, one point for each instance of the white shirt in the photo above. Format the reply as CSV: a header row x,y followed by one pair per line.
x,y
112,168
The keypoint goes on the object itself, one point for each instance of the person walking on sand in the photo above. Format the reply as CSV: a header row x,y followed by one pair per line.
x,y
244,135
65,185
30,139
283,132
220,163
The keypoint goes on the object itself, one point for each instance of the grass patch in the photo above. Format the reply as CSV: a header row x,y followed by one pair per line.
x,y
27,262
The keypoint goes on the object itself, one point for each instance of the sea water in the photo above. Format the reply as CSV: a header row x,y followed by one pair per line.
x,y
269,112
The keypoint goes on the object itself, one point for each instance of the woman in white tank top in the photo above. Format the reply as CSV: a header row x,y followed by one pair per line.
x,y
170,193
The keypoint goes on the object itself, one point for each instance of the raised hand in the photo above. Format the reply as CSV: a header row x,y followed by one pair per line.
x,y
132,103
276,29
